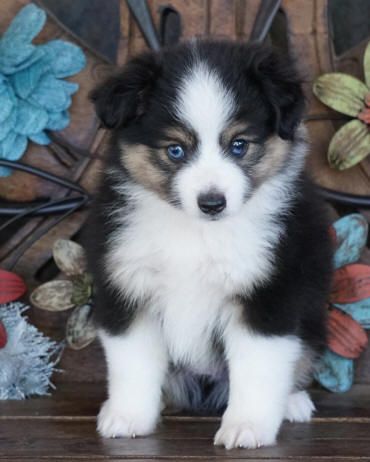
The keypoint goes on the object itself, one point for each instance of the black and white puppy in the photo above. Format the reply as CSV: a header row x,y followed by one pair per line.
x,y
209,247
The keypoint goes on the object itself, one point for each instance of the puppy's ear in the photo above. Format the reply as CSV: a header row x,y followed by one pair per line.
x,y
123,96
281,86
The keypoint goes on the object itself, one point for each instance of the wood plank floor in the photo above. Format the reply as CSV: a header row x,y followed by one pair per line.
x,y
62,427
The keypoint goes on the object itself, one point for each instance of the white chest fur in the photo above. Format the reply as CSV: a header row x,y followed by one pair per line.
x,y
186,270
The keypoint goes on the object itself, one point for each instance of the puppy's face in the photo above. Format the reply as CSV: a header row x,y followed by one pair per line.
x,y
204,125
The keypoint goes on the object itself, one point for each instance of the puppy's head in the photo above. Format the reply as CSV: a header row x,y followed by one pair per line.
x,y
203,125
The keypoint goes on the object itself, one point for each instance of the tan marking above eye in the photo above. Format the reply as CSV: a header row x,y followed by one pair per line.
x,y
179,136
234,130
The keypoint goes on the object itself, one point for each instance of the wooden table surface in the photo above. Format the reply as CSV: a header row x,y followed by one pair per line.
x,y
62,427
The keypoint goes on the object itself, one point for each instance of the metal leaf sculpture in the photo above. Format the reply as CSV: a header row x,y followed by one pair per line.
x,y
348,95
347,337
80,18
351,284
12,286
35,97
75,292
3,335
349,308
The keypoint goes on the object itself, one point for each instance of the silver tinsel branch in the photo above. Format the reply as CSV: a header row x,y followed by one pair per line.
x,y
28,359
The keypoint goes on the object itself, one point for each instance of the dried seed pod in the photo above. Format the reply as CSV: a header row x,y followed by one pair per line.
x,y
53,296
341,92
69,257
367,65
80,330
82,289
349,146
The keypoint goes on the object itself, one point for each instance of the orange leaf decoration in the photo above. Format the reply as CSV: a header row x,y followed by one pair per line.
x,y
345,336
3,335
11,286
351,284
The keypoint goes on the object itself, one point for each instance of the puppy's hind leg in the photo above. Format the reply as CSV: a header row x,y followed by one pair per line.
x,y
300,407
137,365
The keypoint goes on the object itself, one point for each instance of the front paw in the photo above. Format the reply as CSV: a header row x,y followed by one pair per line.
x,y
113,422
244,434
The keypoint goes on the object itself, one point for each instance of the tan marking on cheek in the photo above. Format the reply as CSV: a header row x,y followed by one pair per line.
x,y
276,153
135,158
162,154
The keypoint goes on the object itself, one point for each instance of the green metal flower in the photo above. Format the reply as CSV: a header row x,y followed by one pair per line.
x,y
348,95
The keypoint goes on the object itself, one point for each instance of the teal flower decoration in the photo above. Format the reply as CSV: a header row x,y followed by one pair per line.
x,y
349,312
34,97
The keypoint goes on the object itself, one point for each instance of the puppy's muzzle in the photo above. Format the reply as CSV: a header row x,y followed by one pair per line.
x,y
211,203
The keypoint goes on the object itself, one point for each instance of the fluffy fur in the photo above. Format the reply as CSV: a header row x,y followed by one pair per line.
x,y
203,310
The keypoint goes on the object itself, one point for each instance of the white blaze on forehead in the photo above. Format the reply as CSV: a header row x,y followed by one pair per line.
x,y
203,101
206,105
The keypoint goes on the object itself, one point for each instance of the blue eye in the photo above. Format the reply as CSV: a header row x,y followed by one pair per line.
x,y
175,152
238,148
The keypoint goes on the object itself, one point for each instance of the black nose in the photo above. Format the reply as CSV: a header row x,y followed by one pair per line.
x,y
211,203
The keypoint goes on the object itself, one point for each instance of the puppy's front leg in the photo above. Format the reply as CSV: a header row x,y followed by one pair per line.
x,y
261,377
137,366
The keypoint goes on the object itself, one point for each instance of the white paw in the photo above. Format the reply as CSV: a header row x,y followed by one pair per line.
x,y
300,407
244,435
113,423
